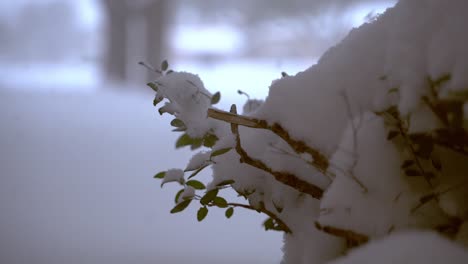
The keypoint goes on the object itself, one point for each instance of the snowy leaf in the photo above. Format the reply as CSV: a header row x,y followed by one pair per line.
x,y
177,123
160,175
210,140
220,202
162,110
173,175
196,184
198,170
229,212
226,182
181,206
164,65
209,196
220,152
198,160
201,214
186,140
216,97
176,198
153,86
156,100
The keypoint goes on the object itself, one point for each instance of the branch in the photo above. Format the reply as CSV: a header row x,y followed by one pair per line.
x,y
281,176
320,161
353,238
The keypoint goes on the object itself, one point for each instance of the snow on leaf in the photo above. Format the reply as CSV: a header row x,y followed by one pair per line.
x,y
173,175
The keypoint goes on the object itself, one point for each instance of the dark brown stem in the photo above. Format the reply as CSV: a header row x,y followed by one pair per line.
x,y
352,238
320,161
281,176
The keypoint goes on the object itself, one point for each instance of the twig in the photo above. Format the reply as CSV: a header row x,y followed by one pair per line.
x,y
262,209
355,142
320,161
353,238
283,177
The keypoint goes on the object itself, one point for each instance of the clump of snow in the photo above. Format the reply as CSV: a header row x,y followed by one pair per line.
x,y
198,160
173,175
408,247
188,193
188,100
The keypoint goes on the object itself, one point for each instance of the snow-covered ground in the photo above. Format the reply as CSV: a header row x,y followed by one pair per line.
x,y
76,187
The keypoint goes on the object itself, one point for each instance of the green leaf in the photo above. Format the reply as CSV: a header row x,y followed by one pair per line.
x,y
197,142
407,164
177,123
229,212
209,140
269,224
181,206
209,196
392,134
179,129
198,170
201,214
215,98
156,100
164,65
196,184
160,175
162,110
225,182
220,202
176,198
184,140
220,152
153,86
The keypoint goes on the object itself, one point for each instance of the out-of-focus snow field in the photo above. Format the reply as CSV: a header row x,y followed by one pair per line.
x,y
76,179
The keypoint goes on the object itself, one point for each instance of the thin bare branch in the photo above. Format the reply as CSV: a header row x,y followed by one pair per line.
x,y
353,238
320,161
281,176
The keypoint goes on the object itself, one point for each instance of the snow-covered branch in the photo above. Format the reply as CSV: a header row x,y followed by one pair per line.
x,y
281,176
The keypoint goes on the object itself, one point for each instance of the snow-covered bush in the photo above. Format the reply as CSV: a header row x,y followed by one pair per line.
x,y
369,143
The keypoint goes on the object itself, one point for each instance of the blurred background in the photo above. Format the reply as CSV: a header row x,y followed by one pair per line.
x,y
80,139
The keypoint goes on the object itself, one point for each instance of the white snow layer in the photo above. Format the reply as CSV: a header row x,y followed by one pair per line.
x,y
332,107
408,247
